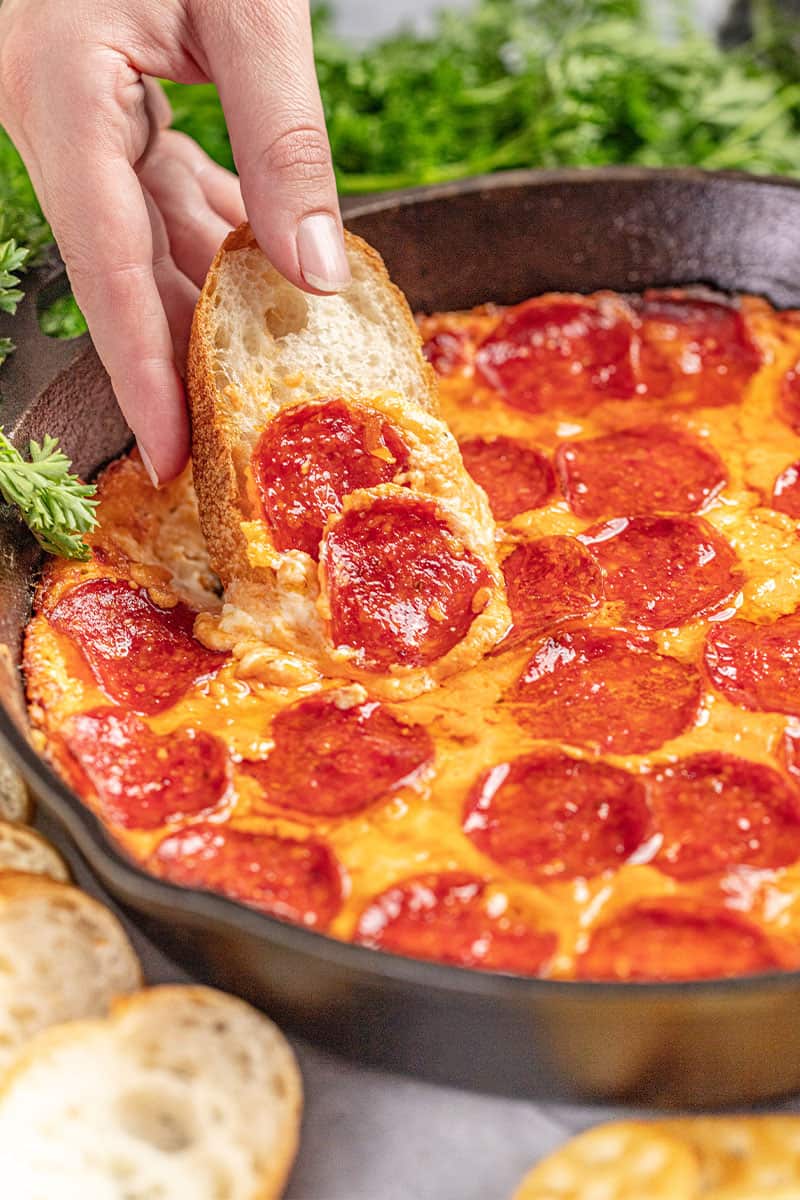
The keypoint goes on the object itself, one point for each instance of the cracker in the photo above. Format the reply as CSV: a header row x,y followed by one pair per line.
x,y
742,1158
627,1160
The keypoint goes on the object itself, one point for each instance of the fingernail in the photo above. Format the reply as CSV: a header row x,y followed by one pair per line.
x,y
148,466
320,250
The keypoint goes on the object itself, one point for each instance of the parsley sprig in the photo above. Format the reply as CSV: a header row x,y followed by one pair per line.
x,y
54,504
12,261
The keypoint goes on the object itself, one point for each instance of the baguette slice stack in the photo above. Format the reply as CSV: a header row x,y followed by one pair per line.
x,y
184,1093
261,349
110,1093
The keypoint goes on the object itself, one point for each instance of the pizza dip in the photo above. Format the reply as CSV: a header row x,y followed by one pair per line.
x,y
613,792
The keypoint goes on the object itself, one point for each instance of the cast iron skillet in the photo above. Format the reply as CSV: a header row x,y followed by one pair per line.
x,y
505,238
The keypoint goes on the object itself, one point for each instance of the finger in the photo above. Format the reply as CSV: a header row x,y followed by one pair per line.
x,y
178,294
261,58
101,223
194,230
159,109
157,113
221,187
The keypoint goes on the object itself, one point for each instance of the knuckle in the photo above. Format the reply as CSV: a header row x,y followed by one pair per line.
x,y
301,153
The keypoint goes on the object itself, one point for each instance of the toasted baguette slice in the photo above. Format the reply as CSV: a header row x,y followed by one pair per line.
x,y
25,850
15,799
259,347
184,1093
63,956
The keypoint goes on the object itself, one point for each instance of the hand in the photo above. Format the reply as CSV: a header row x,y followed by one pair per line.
x,y
138,210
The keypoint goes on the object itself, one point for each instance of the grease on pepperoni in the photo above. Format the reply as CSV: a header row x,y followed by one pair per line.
x,y
142,780
299,881
641,471
789,750
402,589
450,918
447,350
142,656
548,582
789,398
757,666
605,689
548,816
715,811
329,759
560,352
675,939
311,456
664,571
786,493
514,476
698,347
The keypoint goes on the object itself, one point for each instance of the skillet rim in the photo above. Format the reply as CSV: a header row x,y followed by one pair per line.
x,y
131,883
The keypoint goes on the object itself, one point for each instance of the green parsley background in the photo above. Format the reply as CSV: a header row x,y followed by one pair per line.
x,y
517,83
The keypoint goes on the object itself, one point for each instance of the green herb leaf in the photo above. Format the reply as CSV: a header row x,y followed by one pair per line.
x,y
54,504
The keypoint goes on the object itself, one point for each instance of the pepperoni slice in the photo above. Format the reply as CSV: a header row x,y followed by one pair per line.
x,y
141,655
786,494
297,881
449,918
310,457
605,689
401,588
698,347
654,470
547,816
664,570
674,939
447,350
559,352
757,666
548,582
141,780
716,811
331,759
515,477
789,398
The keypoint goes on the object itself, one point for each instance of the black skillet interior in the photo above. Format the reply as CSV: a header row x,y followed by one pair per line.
x,y
503,238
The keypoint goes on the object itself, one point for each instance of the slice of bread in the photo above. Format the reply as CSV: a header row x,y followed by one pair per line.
x,y
62,956
184,1093
15,799
261,347
25,850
